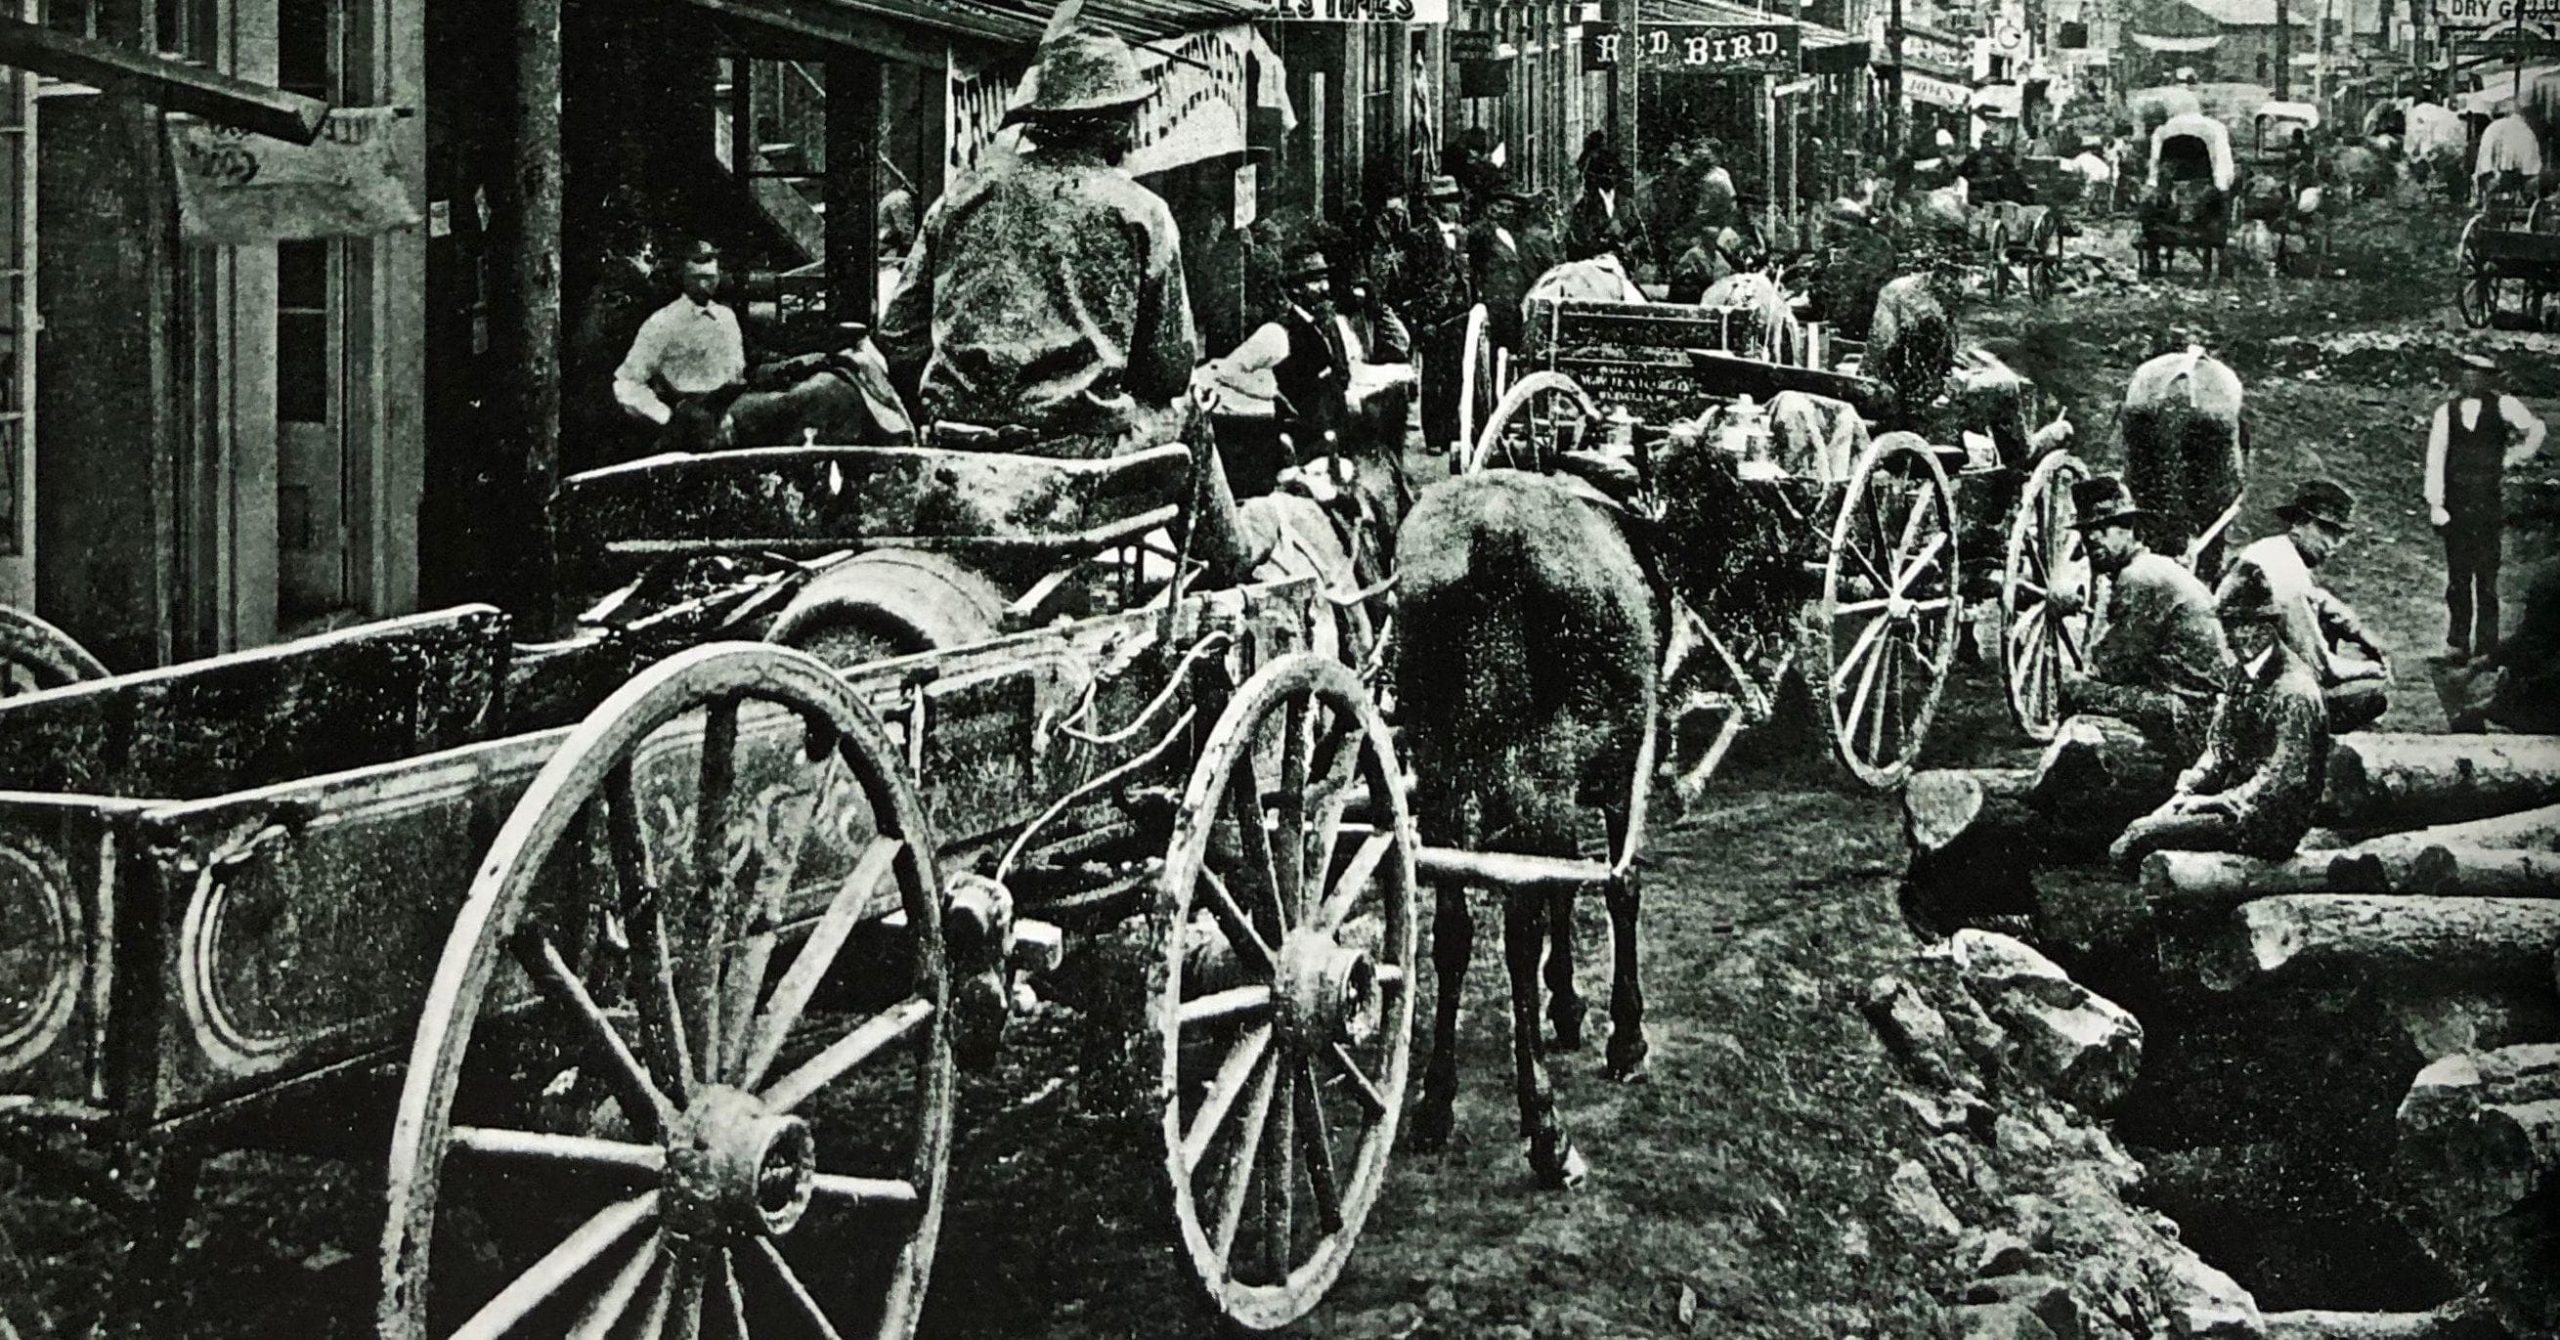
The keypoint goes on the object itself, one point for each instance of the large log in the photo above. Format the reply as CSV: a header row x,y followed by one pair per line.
x,y
2301,936
2477,1177
1973,847
2384,858
2402,781
1947,806
2196,881
2482,872
2447,1323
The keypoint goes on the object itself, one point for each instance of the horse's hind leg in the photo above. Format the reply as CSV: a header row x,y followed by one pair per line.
x,y
1552,1157
1564,1005
1453,938
1627,1045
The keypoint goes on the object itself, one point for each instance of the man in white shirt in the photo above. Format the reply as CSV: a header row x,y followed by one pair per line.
x,y
687,349
2353,668
2469,450
2510,155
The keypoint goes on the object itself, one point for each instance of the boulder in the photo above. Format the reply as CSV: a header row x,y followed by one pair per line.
x,y
2077,1044
1913,1200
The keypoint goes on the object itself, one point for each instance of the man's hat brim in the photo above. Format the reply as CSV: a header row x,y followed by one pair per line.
x,y
2110,516
2476,362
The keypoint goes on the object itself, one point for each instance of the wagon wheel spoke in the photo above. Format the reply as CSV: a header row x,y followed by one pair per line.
x,y
1242,1160
788,1281
1909,572
586,1245
1280,1175
1259,872
1289,865
816,955
839,1058
1245,1066
619,1293
662,1300
711,907
1354,879
633,1085
612,1157
1366,1090
1242,935
1234,1004
684,1298
1317,1135
645,920
1859,650
1868,654
733,1297
1887,666
1338,756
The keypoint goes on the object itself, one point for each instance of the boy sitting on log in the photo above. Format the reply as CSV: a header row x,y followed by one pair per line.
x,y
2162,657
2352,669
2266,750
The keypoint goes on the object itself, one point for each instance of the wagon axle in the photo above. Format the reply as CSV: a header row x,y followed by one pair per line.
x,y
738,1170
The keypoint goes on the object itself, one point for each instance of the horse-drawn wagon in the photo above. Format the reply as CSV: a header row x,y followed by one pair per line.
x,y
682,934
2510,249
1807,546
2187,203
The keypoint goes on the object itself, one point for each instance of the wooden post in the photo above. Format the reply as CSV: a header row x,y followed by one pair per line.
x,y
1893,94
524,317
853,187
1624,83
1769,152
2284,51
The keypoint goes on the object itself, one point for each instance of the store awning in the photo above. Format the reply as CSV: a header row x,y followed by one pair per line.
x,y
219,98
920,31
2183,46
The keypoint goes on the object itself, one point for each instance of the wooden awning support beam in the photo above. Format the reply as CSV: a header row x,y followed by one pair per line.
x,y
216,97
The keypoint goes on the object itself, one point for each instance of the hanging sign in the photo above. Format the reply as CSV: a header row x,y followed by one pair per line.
x,y
2479,16
1196,112
239,189
1702,48
1935,92
1359,11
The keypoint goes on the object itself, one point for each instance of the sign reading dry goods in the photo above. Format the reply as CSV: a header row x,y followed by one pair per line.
x,y
1360,11
1701,48
2478,16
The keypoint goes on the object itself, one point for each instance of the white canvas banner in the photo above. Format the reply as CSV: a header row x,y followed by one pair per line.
x,y
239,189
1196,112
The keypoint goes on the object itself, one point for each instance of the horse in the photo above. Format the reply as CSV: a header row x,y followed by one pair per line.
x,y
1911,345
841,399
1526,673
2186,449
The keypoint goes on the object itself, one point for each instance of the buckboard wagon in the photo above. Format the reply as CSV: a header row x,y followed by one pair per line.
x,y
1847,560
2509,249
683,1044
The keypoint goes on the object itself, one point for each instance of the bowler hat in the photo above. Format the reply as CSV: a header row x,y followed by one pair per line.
x,y
2476,362
1443,188
2102,501
1304,259
1079,70
2319,500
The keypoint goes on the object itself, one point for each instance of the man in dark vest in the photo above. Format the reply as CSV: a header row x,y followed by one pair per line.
x,y
2476,437
1434,291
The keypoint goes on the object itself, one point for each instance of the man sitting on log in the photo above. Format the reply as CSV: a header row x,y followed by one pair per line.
x,y
2162,657
2266,750
2353,670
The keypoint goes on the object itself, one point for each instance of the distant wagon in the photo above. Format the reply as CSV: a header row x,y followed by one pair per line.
x,y
2187,203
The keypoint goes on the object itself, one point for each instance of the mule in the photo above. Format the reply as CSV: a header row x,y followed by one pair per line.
x,y
2186,451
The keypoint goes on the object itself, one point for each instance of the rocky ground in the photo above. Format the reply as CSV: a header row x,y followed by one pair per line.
x,y
1844,1133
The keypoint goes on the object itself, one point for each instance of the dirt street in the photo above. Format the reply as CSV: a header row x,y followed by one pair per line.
x,y
1753,1185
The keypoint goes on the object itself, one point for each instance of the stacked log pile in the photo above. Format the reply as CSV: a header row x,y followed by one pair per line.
x,y
2417,933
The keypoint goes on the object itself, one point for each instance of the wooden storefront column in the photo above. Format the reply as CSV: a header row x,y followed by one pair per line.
x,y
1400,109
524,325
853,187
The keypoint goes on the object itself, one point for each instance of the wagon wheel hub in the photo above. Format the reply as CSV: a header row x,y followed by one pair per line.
x,y
737,1170
1901,609
1326,991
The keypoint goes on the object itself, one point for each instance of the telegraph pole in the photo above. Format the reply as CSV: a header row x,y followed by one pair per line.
x,y
1893,95
1624,81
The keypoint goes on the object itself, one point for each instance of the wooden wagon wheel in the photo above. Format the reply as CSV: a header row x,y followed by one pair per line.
x,y
35,655
1476,388
1890,611
1282,1003
2477,293
608,1052
1525,427
2046,556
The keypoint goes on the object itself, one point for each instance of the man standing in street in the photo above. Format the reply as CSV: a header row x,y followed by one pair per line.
x,y
1433,291
1502,276
2352,669
2161,658
686,350
2475,438
1045,299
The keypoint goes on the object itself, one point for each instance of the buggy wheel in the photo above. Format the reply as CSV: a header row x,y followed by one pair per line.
x,y
1283,995
2477,291
2046,557
615,1091
35,655
1527,426
1477,390
1890,610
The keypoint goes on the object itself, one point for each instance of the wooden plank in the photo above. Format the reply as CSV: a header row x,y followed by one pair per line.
x,y
1562,324
341,700
211,94
57,866
845,497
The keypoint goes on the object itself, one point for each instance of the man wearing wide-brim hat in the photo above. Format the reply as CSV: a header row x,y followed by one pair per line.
x,y
2353,669
2161,657
2473,440
1499,267
2255,787
1046,294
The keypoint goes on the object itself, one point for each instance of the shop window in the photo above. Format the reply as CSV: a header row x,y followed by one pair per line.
x,y
2263,66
